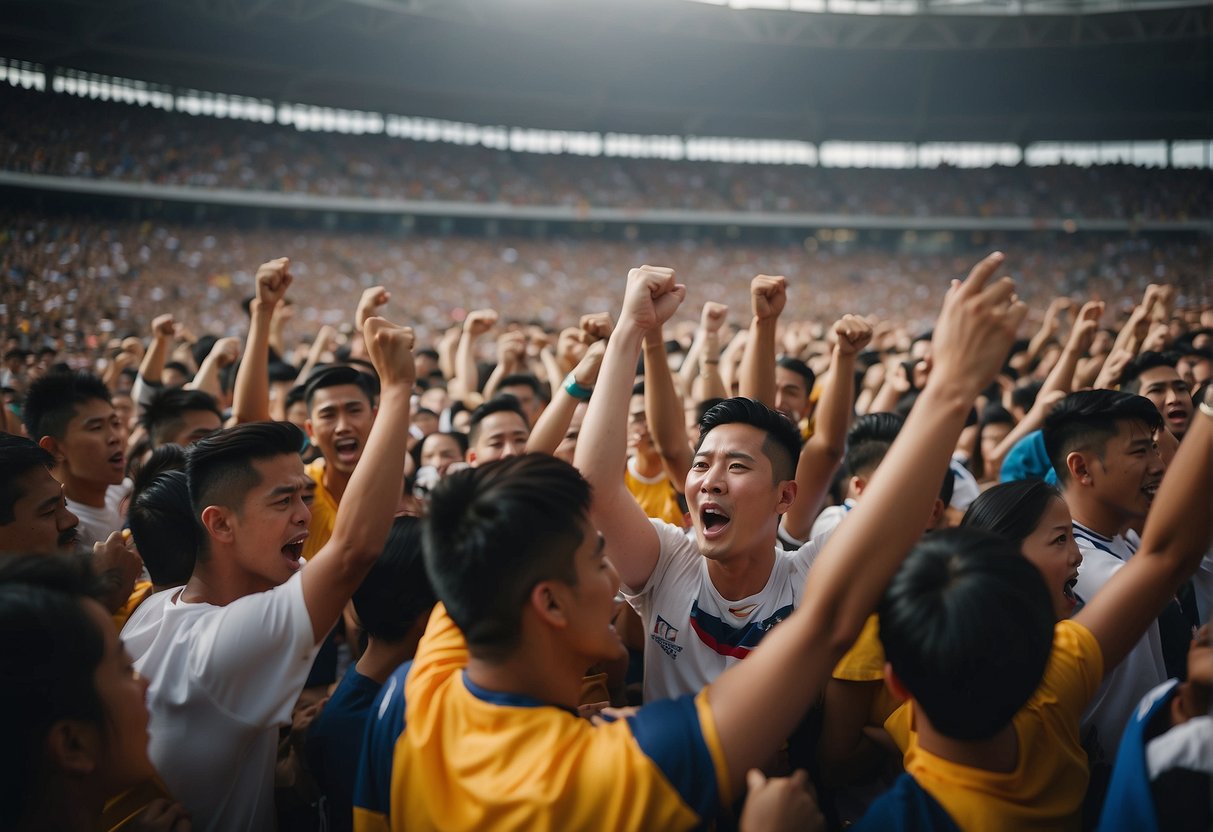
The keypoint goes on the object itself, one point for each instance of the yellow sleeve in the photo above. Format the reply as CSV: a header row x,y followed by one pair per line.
x,y
707,724
367,821
1075,668
138,595
900,726
865,661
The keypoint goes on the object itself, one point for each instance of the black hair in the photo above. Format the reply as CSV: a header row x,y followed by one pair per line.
x,y
1130,378
335,376
493,532
396,592
967,625
48,659
1024,395
782,445
17,456
180,368
220,467
1087,420
50,403
296,394
1011,510
497,404
524,379
868,441
992,414
165,413
704,406
800,368
201,348
461,439
161,517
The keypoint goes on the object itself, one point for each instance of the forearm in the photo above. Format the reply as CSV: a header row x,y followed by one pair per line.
x,y
663,410
151,368
494,380
251,398
313,357
688,372
464,385
1061,377
207,377
553,423
886,400
758,362
1181,519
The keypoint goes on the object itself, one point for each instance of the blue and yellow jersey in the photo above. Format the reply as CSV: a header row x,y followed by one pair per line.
x,y
384,725
475,759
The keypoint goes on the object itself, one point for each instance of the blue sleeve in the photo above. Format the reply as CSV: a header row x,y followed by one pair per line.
x,y
333,742
384,725
905,808
669,734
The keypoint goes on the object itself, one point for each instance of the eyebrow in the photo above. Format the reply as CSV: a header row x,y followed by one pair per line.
x,y
727,454
50,501
283,490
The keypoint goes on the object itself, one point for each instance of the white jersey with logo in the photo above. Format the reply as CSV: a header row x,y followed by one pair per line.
x,y
1141,670
692,633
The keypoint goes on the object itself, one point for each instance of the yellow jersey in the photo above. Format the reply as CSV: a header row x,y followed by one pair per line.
x,y
324,512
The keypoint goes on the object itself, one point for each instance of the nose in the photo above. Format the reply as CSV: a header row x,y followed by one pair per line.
x,y
713,480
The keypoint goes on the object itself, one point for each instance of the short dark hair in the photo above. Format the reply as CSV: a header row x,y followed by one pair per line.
x,y
48,659
17,456
50,403
396,592
782,445
179,367
868,441
1130,378
493,532
524,380
800,368
336,376
220,467
1010,510
497,404
163,526
967,624
1087,420
165,413
1024,395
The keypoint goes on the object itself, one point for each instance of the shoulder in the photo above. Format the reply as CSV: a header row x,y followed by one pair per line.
x,y
1075,668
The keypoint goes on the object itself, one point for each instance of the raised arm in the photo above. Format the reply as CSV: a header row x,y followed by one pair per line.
x,y
1176,537
757,702
151,368
370,500
224,353
651,298
663,411
251,399
821,455
768,295
320,345
707,382
554,422
465,384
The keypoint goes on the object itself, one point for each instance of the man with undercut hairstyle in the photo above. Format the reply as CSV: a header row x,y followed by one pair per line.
x,y
227,655
70,415
176,416
34,516
1103,446
1155,376
498,429
868,441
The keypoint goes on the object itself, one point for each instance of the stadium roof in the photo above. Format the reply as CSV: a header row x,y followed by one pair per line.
x,y
1005,71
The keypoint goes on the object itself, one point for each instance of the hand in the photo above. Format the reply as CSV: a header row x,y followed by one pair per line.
x,y
1056,313
713,316
586,371
369,304
511,347
1113,368
164,327
853,334
1085,326
134,347
479,322
1156,340
117,560
160,816
596,327
325,338
569,347
780,804
652,297
768,296
273,279
391,350
226,351
976,328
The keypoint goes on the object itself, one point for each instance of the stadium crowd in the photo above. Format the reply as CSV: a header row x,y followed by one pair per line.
x,y
67,136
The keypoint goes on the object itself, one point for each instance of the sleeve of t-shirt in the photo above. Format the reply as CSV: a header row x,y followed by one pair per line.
x,y
802,561
255,654
675,548
1075,669
865,661
384,725
679,736
442,651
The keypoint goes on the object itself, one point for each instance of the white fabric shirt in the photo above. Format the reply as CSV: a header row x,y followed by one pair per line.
x,y
96,524
222,681
829,519
1141,670
693,633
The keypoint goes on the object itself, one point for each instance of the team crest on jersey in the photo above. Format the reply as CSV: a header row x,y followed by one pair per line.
x,y
664,636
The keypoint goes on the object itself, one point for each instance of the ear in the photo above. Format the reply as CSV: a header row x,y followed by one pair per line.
x,y
51,445
218,523
858,484
1080,470
894,684
936,516
73,746
787,496
550,603
470,456
311,434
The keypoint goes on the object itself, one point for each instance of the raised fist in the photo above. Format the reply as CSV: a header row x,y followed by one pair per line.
x,y
713,316
652,296
273,279
768,295
164,326
369,304
853,334
391,350
596,326
479,322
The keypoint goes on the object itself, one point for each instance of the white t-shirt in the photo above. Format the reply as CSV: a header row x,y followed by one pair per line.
x,y
1141,670
693,633
222,681
829,519
96,524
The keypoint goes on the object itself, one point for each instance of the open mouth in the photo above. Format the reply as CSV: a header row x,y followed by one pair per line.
x,y
1150,490
118,460
714,520
1067,590
293,551
346,447
1177,415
